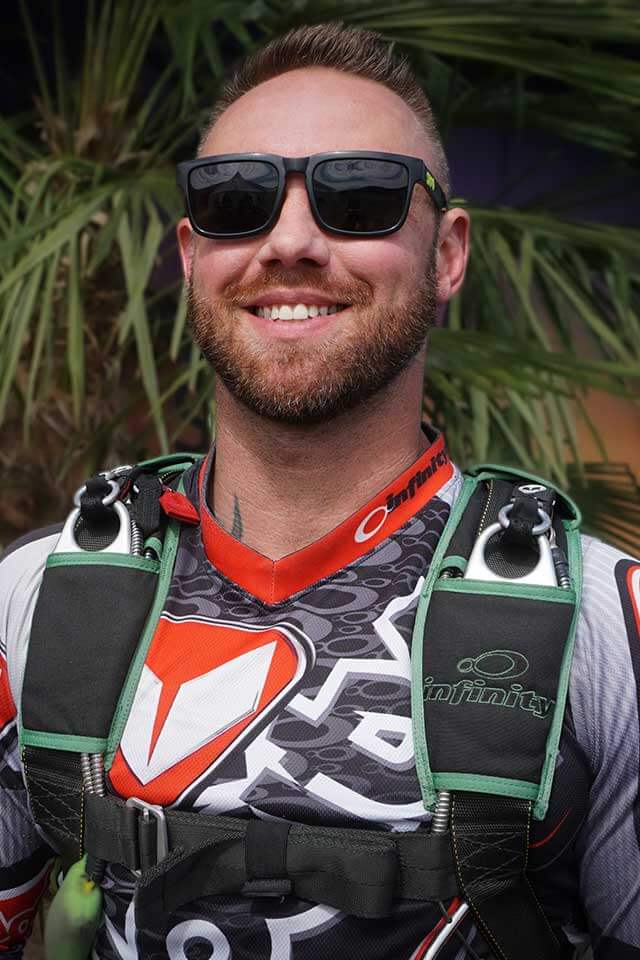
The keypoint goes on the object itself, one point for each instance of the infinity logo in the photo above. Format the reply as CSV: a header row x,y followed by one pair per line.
x,y
495,665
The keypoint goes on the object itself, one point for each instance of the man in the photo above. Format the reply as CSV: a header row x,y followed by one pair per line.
x,y
313,308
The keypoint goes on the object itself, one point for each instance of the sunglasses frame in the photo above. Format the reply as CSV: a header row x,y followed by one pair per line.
x,y
417,170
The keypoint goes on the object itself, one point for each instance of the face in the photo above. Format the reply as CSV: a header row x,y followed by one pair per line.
x,y
376,297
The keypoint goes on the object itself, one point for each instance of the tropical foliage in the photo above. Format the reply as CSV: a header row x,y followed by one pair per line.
x,y
96,362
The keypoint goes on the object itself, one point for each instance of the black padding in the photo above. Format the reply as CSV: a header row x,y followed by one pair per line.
x,y
491,673
86,627
54,784
491,845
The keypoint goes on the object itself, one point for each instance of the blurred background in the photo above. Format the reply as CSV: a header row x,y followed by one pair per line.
x,y
536,362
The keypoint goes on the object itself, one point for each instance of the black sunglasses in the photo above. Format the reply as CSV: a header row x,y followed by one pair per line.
x,y
352,193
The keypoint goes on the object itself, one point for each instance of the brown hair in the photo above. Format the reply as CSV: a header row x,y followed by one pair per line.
x,y
351,50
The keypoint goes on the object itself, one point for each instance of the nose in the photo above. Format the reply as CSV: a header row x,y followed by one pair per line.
x,y
295,237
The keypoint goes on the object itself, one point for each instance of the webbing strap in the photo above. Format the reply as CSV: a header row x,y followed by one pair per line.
x,y
491,846
358,871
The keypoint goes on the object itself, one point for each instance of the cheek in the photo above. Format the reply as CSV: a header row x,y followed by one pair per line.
x,y
217,264
389,265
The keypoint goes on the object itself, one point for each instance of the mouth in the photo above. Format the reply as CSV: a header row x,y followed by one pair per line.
x,y
289,312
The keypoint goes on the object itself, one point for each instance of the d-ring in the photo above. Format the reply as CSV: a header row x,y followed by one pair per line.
x,y
107,500
537,531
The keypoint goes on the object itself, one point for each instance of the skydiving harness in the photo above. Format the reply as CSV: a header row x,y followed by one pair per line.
x,y
491,656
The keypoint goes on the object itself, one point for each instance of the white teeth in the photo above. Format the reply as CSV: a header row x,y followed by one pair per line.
x,y
301,311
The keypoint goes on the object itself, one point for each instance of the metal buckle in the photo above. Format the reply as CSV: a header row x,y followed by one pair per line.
x,y
543,574
162,837
67,542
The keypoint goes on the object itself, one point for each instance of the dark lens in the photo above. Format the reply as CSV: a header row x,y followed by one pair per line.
x,y
233,196
360,195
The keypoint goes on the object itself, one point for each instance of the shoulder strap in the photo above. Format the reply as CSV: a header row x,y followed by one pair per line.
x,y
101,588
491,656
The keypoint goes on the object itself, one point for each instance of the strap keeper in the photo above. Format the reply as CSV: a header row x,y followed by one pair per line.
x,y
265,854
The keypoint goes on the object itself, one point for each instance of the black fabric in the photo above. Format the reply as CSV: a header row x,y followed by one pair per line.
x,y
96,536
54,784
146,510
265,857
462,541
523,517
358,871
491,845
86,626
92,508
509,559
491,671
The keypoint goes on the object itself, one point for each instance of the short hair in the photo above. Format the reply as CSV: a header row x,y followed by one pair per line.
x,y
351,50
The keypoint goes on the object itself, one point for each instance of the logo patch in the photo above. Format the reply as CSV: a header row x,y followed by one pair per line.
x,y
491,665
206,685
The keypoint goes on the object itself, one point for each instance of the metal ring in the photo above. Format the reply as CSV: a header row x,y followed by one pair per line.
x,y
116,472
107,500
537,531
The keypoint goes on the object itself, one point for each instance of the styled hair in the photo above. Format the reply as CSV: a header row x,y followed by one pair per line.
x,y
350,50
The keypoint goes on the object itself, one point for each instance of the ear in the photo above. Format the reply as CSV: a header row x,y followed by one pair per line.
x,y
186,246
453,252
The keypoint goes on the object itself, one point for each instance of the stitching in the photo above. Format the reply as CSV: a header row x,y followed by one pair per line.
x,y
487,933
528,882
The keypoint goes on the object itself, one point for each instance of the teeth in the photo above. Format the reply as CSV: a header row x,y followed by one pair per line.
x,y
301,311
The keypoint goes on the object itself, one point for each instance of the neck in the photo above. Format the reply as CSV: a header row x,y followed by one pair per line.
x,y
278,488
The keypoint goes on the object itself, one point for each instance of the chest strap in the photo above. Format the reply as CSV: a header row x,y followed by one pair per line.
x,y
182,856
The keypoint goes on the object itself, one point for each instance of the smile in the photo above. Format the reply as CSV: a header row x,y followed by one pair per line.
x,y
298,311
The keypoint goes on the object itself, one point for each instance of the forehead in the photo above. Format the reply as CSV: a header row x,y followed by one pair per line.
x,y
315,110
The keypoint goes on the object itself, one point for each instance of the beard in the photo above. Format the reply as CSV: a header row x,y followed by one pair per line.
x,y
300,383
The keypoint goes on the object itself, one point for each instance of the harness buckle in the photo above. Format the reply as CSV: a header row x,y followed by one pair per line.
x,y
149,810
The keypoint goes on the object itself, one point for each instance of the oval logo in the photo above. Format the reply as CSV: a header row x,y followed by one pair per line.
x,y
495,665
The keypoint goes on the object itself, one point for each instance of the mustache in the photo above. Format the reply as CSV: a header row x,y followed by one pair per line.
x,y
355,292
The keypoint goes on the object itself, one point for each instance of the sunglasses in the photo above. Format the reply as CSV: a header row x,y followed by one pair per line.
x,y
354,194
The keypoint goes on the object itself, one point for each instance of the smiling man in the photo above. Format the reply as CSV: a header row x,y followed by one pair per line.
x,y
293,791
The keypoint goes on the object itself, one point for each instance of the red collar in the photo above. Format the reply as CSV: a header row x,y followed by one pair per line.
x,y
275,580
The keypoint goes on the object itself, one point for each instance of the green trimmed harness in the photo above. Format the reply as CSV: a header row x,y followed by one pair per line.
x,y
491,658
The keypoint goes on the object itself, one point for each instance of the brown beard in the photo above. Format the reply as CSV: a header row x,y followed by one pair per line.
x,y
295,383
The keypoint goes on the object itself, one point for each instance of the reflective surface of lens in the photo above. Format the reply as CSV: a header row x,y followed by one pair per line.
x,y
233,197
360,194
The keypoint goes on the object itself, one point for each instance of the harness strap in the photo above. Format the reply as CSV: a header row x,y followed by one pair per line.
x,y
491,846
357,871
